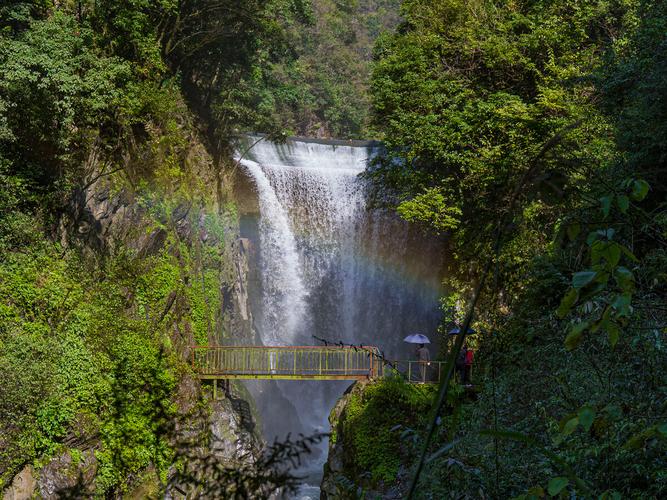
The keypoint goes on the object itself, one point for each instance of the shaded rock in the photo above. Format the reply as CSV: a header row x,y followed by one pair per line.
x,y
23,486
340,480
335,483
66,477
152,243
233,430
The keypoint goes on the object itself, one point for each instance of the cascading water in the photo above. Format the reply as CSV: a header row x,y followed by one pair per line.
x,y
328,266
284,292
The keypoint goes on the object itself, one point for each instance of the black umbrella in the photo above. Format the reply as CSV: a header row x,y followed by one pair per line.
x,y
456,330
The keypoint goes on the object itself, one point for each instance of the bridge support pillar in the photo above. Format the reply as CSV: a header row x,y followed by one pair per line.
x,y
215,389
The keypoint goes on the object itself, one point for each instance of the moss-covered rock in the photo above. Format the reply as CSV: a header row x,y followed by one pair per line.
x,y
372,438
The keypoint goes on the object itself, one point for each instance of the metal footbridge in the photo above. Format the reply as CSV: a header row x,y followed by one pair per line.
x,y
306,363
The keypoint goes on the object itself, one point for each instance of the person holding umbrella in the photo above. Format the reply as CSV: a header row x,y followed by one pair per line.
x,y
423,354
465,357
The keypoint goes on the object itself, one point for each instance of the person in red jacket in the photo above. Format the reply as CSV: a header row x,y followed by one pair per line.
x,y
467,373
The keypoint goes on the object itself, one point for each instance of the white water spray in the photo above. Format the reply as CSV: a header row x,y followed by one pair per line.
x,y
284,291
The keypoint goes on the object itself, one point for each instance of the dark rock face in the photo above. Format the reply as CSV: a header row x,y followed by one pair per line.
x,y
67,477
335,484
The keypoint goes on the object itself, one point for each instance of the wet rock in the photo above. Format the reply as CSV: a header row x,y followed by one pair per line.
x,y
233,430
335,483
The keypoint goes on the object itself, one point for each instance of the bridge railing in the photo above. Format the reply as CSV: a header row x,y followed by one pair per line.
x,y
415,371
293,362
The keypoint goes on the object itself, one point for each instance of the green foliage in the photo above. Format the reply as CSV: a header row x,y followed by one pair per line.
x,y
373,422
86,352
319,87
430,207
76,365
487,106
55,89
542,123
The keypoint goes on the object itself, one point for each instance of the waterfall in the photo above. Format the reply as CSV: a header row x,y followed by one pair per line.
x,y
284,291
327,265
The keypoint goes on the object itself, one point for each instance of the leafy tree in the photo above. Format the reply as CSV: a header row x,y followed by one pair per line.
x,y
538,127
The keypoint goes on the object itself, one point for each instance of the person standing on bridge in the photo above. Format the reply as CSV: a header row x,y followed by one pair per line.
x,y
467,370
424,358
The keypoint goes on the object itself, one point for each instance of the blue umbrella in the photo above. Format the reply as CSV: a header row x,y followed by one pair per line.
x,y
417,338
456,330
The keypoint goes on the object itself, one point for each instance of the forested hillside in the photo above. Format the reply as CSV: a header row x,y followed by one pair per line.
x,y
321,89
533,135
117,237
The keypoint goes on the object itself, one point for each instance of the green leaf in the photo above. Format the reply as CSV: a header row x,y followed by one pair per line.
x,y
610,495
592,237
624,278
637,440
573,338
586,417
602,323
622,304
535,493
556,485
570,426
605,204
662,429
573,231
639,190
628,254
623,203
615,412
582,278
567,302
613,333
596,251
611,253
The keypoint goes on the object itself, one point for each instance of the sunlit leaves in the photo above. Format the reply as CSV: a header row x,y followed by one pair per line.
x,y
432,207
